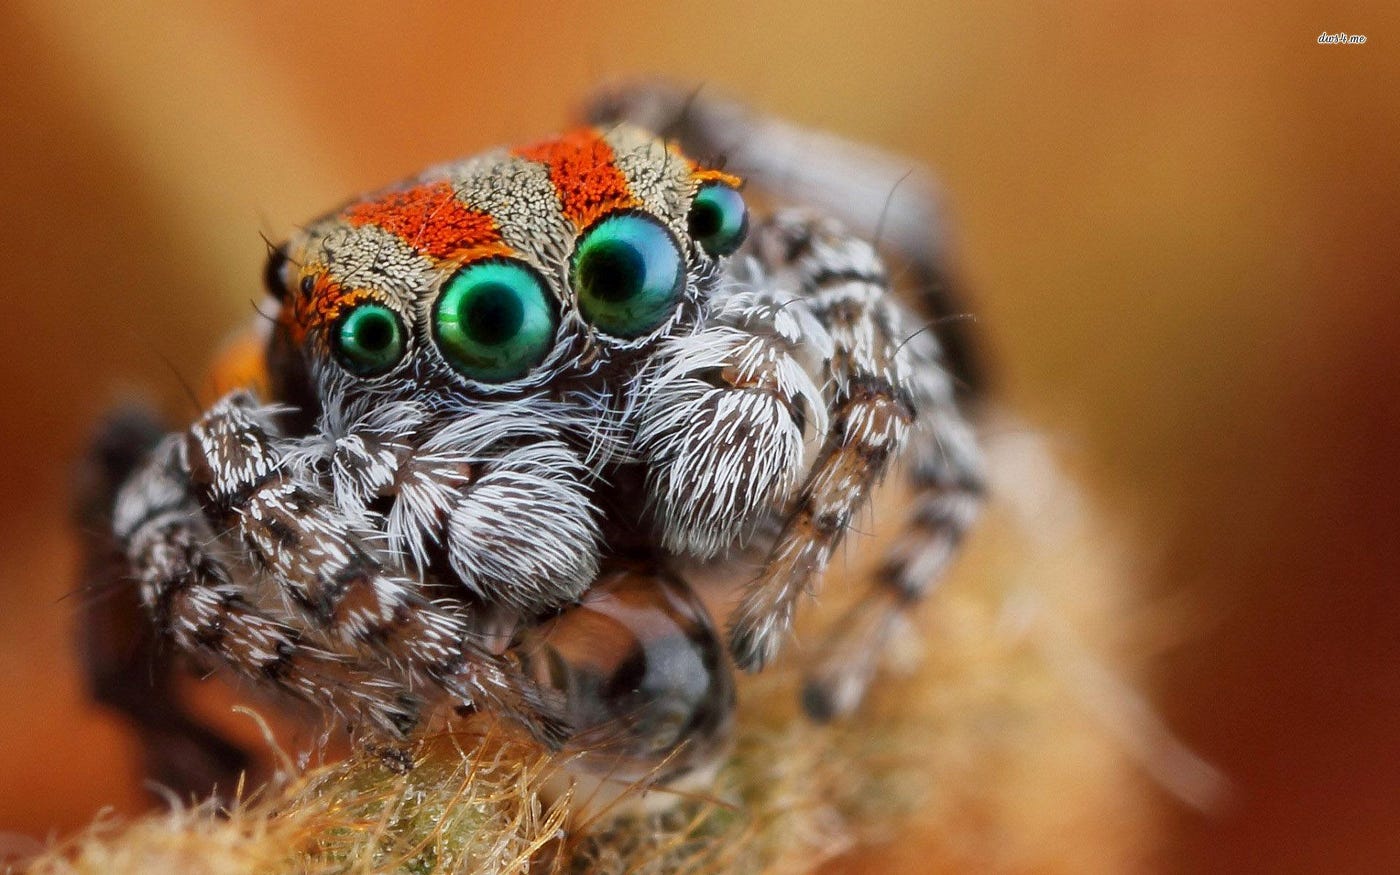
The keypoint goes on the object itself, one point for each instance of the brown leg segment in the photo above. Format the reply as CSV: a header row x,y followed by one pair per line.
x,y
126,667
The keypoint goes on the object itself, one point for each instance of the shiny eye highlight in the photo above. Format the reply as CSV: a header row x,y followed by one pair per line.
x,y
495,320
628,274
718,219
368,340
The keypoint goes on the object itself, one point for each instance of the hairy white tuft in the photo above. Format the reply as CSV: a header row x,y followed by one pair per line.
x,y
524,534
720,423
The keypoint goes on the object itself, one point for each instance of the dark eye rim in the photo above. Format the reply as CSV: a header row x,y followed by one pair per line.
x,y
743,232
274,283
551,300
346,363
682,274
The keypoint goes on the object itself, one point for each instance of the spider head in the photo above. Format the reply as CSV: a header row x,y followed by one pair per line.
x,y
504,273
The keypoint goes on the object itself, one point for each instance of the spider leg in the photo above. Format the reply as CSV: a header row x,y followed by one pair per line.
x,y
125,667
196,598
889,389
945,476
322,556
842,283
896,203
882,380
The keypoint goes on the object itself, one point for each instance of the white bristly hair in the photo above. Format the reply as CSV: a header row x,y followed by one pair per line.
x,y
721,450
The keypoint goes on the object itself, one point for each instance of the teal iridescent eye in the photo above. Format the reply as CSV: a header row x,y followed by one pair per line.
x,y
628,274
494,320
368,340
719,221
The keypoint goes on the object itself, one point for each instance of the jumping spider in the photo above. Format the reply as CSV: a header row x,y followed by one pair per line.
x,y
503,409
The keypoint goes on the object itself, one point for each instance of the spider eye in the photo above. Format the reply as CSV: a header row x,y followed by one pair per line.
x,y
627,273
495,320
368,340
719,221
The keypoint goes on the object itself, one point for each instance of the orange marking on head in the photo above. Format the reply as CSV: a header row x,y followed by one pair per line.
x,y
700,173
430,219
320,308
584,175
703,174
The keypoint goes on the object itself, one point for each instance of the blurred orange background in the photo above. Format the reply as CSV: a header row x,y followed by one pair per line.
x,y
1180,223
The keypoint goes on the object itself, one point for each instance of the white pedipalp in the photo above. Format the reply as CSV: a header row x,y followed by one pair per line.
x,y
718,457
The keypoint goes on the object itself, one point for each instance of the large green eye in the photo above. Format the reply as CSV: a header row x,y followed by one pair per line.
x,y
719,221
627,273
368,340
495,320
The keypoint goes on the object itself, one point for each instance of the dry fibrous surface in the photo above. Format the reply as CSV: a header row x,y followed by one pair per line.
x,y
998,738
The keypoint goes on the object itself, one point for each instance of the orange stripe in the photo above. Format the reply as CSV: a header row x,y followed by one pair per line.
x,y
584,176
430,219
319,308
702,174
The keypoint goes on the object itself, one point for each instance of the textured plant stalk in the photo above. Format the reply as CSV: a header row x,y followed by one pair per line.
x,y
1004,736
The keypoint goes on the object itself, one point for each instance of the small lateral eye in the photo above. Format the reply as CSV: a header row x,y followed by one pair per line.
x,y
495,320
368,340
627,273
718,220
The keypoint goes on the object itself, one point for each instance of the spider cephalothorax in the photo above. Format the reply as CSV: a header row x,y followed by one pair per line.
x,y
513,379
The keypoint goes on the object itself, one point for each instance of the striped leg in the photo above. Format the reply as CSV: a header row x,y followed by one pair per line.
x,y
890,199
125,664
320,554
195,599
871,379
945,477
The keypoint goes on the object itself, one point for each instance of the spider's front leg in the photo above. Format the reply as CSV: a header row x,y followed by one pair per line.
x,y
207,607
944,474
322,554
884,382
126,665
